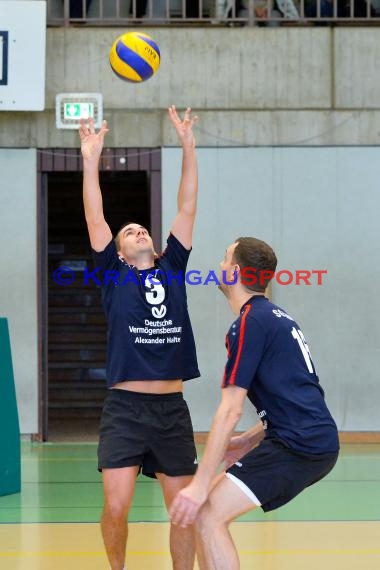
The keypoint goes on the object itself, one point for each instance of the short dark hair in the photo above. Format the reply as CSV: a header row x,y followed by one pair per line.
x,y
252,253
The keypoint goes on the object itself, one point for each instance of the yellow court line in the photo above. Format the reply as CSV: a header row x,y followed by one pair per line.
x,y
65,553
313,551
322,551
277,551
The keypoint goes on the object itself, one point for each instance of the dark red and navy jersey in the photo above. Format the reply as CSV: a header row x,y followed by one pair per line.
x,y
269,357
149,331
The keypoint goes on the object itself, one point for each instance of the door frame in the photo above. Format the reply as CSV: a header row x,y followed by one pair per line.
x,y
70,160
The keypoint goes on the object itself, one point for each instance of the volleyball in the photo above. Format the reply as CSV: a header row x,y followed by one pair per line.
x,y
134,57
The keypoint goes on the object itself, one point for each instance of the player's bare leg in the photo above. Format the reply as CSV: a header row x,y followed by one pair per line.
x,y
182,540
118,485
215,547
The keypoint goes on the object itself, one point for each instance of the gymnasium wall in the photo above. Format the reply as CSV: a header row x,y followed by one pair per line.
x,y
255,86
318,208
271,93
18,276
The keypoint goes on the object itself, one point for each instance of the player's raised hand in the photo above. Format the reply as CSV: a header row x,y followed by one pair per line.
x,y
92,141
184,127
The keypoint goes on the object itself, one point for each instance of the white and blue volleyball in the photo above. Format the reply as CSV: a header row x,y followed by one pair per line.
x,y
135,57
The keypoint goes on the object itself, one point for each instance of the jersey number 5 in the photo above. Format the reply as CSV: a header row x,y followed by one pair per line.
x,y
297,334
156,293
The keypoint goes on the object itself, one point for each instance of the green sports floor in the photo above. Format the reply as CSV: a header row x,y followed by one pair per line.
x,y
53,522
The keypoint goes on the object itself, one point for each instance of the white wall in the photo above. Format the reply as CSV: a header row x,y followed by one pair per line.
x,y
18,291
319,209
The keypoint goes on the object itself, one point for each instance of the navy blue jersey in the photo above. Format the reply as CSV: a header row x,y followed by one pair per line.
x,y
149,330
268,356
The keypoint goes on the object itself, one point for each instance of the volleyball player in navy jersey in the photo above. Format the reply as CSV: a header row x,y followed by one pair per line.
x,y
145,423
294,444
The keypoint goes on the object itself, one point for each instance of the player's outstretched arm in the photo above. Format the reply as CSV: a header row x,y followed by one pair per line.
x,y
91,148
182,227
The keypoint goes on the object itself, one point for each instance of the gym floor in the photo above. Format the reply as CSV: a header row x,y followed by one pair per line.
x,y
53,522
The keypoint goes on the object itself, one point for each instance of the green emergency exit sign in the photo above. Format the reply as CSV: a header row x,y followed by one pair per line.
x,y
70,108
78,110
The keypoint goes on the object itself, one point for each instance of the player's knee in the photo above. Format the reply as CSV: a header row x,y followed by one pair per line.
x,y
115,510
210,517
205,520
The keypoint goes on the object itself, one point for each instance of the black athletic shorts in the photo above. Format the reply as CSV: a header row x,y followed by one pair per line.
x,y
153,431
275,474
